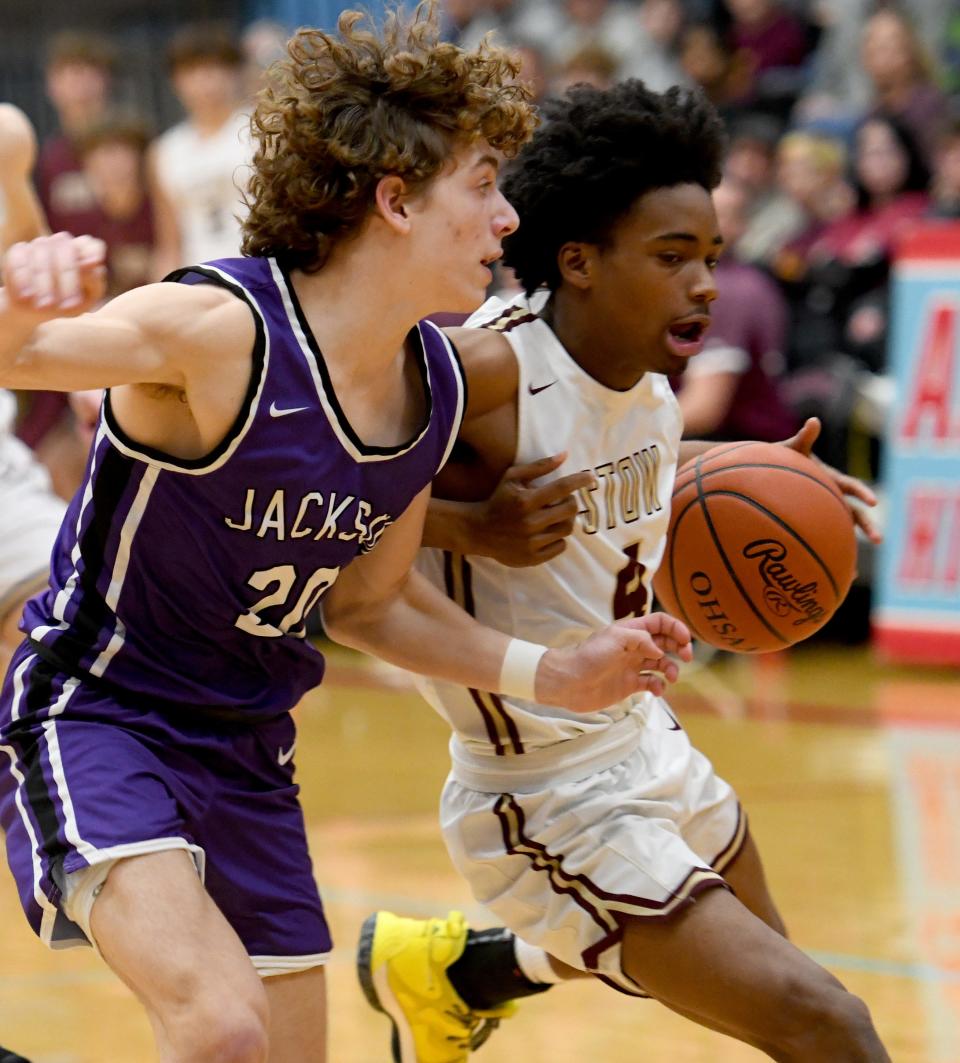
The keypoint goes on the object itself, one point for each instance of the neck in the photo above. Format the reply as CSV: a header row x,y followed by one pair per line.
x,y
573,325
359,311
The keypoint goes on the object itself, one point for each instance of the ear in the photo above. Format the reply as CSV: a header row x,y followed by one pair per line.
x,y
390,201
576,262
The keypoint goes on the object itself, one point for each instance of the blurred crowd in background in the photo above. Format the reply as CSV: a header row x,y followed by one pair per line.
x,y
844,127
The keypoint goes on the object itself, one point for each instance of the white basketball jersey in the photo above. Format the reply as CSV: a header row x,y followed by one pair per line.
x,y
630,440
204,176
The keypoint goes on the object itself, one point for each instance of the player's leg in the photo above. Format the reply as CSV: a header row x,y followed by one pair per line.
x,y
718,963
748,881
298,1016
160,932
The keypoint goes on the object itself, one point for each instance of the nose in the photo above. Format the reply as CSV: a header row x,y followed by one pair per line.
x,y
505,218
704,284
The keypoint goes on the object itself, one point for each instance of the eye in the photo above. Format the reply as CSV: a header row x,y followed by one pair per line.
x,y
713,262
670,258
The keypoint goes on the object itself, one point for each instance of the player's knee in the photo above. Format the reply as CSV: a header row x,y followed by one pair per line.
x,y
237,1035
821,1020
223,1027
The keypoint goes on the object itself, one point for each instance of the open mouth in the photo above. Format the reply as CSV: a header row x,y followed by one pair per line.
x,y
686,337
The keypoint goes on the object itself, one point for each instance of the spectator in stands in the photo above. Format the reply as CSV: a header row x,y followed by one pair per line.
x,y
840,300
591,65
902,76
723,74
731,390
751,161
777,45
114,159
811,173
262,42
653,56
945,186
200,167
79,70
891,180
533,71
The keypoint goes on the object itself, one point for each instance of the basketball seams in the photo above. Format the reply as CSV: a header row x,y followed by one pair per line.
x,y
722,554
813,527
831,490
786,527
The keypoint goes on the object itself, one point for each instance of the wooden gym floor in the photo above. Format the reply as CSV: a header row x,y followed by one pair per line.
x,y
850,773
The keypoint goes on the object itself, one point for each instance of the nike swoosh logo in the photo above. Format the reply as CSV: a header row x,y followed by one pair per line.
x,y
275,412
543,387
283,756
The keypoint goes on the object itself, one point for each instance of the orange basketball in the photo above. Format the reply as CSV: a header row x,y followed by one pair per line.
x,y
761,548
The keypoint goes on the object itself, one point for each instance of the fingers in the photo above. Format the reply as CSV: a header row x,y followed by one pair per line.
x,y
850,485
865,523
660,624
804,439
56,273
18,277
533,470
562,490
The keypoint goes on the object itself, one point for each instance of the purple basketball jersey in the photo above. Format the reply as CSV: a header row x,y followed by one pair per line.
x,y
189,581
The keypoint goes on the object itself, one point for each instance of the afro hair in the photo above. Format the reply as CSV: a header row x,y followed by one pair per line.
x,y
597,153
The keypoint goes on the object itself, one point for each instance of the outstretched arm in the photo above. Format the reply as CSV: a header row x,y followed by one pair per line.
x,y
156,334
380,606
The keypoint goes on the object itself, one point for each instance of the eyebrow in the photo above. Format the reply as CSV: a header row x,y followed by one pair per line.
x,y
687,237
487,160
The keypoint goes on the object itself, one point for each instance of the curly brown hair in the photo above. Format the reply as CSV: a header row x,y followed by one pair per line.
x,y
342,112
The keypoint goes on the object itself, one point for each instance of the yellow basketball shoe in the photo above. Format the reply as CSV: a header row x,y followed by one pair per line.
x,y
402,964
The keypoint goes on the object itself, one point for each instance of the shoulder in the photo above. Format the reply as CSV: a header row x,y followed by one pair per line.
x,y
489,365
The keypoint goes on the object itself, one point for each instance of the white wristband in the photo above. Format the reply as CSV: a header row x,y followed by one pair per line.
x,y
518,673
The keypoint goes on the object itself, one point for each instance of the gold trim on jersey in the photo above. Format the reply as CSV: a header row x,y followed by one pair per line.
x,y
608,910
510,318
502,731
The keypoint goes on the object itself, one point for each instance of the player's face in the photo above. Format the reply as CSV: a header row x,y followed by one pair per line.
x,y
652,287
460,220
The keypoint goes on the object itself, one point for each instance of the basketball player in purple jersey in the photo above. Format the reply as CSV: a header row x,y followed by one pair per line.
x,y
268,439
605,841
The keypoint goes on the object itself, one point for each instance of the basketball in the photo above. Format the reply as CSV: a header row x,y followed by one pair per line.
x,y
761,548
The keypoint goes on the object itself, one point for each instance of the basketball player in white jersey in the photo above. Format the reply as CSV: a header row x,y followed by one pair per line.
x,y
200,168
30,513
605,842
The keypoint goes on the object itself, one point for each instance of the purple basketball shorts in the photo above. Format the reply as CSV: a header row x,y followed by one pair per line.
x,y
86,777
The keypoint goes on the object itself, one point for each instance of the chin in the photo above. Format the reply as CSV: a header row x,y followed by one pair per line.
x,y
674,365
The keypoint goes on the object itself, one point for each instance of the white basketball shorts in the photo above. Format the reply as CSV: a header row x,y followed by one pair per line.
x,y
565,866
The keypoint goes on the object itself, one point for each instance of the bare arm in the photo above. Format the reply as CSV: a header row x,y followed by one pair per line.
x,y
488,506
196,341
380,606
21,211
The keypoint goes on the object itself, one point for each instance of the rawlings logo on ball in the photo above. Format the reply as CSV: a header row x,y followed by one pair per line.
x,y
784,593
